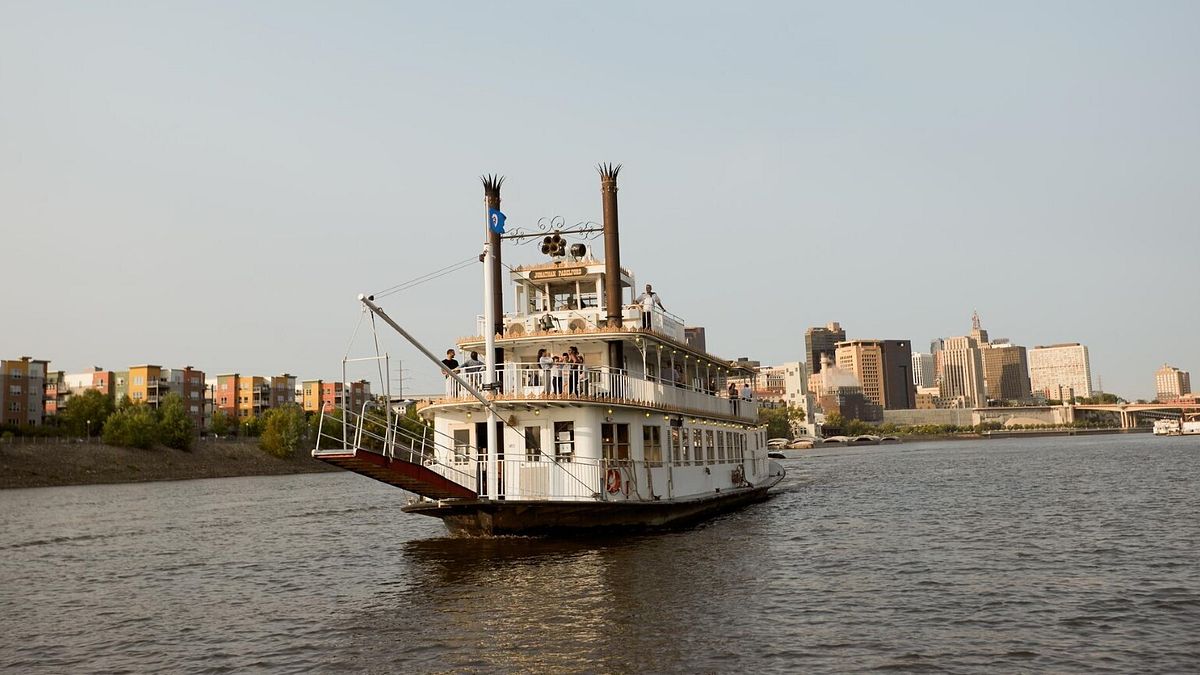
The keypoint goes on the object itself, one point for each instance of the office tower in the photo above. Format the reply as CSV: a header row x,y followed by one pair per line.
x,y
1060,366
821,342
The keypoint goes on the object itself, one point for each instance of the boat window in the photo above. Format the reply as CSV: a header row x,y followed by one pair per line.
x,y
533,444
564,441
562,296
685,444
588,300
710,447
652,444
614,441
698,446
462,446
720,446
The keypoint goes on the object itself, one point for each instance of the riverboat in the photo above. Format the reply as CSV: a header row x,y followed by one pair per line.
x,y
631,428
1172,427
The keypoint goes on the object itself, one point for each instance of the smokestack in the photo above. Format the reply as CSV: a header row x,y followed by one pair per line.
x,y
612,259
491,197
612,243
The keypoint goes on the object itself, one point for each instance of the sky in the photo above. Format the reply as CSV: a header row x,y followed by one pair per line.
x,y
213,183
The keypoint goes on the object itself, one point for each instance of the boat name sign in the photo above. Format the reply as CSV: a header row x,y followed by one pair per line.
x,y
557,273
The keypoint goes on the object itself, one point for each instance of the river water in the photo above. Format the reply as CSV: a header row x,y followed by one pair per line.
x,y
1051,554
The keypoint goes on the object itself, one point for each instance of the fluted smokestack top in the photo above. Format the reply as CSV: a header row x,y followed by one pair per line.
x,y
608,175
491,189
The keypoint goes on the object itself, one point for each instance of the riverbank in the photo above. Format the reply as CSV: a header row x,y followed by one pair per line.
x,y
57,464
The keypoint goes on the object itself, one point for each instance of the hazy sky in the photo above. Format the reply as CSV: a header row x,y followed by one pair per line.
x,y
213,183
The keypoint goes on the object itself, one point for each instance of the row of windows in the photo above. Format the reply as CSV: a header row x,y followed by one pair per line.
x,y
688,446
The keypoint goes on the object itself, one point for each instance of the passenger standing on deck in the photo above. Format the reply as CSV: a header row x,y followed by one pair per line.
x,y
733,397
556,376
543,365
746,394
577,378
472,367
451,364
648,300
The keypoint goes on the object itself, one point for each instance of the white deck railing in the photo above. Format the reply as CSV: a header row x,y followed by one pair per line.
x,y
523,381
588,318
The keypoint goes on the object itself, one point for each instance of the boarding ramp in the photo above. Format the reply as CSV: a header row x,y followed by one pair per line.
x,y
378,445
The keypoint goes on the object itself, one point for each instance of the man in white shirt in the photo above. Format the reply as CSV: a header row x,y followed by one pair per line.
x,y
648,300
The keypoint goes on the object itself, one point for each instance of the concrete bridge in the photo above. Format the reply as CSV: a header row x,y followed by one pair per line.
x,y
1129,414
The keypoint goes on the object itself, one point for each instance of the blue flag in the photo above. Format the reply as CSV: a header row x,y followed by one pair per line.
x,y
496,221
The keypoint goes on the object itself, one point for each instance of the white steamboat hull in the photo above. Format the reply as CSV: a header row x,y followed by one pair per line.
x,y
532,518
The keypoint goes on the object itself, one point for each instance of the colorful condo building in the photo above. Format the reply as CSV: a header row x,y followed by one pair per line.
x,y
318,395
149,384
22,389
244,397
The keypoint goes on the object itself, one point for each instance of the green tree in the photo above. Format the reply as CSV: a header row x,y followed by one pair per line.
x,y
135,426
779,421
251,427
284,431
86,413
175,428
221,423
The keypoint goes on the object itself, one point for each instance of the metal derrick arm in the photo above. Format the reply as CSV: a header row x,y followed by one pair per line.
x,y
490,406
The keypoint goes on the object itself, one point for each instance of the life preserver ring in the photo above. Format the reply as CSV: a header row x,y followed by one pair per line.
x,y
612,481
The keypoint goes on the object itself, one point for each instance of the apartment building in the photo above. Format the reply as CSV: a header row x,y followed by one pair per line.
x,y
22,392
318,395
245,396
1171,383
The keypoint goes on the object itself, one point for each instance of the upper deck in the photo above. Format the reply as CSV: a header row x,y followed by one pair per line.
x,y
560,305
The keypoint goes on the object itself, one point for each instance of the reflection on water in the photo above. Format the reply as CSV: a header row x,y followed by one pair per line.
x,y
1046,554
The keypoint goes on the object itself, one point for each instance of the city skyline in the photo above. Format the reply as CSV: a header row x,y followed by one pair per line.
x,y
173,177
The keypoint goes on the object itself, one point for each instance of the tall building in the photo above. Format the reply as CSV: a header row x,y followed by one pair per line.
x,y
821,342
884,368
22,390
839,391
1060,367
977,331
899,391
960,373
1172,383
935,346
922,369
693,336
1006,372
864,360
